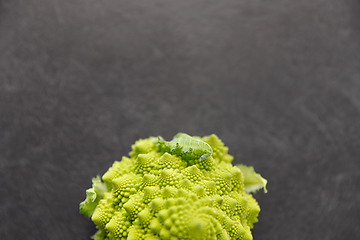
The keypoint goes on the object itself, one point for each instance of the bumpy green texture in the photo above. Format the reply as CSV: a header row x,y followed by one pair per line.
x,y
186,188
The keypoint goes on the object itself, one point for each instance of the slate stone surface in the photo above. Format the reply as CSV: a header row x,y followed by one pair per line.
x,y
278,81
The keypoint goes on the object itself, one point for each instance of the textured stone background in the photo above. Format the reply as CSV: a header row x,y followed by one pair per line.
x,y
278,81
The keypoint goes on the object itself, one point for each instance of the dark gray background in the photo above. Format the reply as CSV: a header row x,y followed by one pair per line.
x,y
278,81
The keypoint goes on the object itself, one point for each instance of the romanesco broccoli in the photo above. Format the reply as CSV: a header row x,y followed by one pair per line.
x,y
186,188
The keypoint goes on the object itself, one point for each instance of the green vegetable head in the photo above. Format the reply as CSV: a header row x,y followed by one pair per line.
x,y
186,188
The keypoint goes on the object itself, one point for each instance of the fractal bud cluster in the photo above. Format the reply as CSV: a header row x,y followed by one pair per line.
x,y
185,188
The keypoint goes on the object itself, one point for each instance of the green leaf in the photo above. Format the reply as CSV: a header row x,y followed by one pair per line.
x,y
93,196
252,180
187,147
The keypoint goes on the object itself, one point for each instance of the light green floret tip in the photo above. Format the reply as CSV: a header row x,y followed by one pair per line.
x,y
182,189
